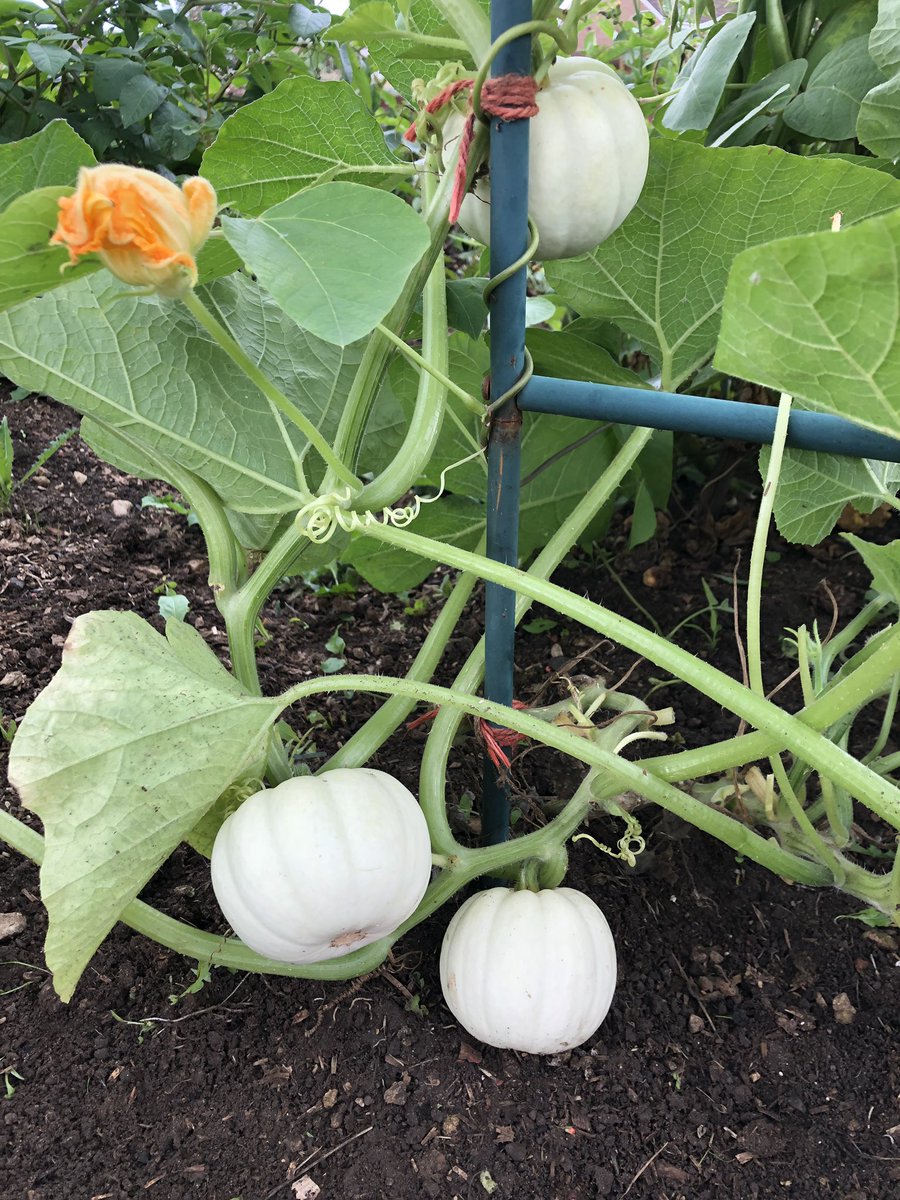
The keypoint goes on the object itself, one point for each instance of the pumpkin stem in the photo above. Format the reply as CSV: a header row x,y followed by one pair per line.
x,y
529,876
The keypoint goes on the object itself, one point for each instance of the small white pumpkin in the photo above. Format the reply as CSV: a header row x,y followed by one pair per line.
x,y
531,971
588,153
321,865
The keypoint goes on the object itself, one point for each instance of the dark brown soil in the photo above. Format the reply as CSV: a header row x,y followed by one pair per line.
x,y
723,1070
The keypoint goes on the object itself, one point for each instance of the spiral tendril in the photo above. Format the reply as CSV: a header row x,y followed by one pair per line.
x,y
323,516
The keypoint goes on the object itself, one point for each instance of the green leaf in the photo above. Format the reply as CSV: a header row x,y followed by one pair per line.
x,y
305,132
120,756
29,265
139,98
884,40
741,123
334,257
829,106
48,58
466,309
643,518
697,98
878,127
47,159
400,49
217,259
848,21
143,365
110,75
883,562
661,277
7,457
364,20
817,316
565,355
304,23
814,489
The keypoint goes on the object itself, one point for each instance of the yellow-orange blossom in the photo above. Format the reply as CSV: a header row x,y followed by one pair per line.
x,y
146,230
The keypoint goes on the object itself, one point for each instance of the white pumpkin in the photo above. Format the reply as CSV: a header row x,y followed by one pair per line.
x,y
588,152
531,971
321,865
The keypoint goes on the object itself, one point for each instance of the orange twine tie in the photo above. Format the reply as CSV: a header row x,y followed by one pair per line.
x,y
508,97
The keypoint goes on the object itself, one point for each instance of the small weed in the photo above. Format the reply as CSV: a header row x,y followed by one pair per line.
x,y
8,485
8,729
344,581
335,647
414,1004
540,625
201,978
171,603
144,1026
418,608
173,504
9,1074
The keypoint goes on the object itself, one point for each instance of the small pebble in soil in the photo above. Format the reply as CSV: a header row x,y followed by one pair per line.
x,y
11,923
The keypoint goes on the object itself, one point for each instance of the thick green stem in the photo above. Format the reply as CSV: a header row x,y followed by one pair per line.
x,y
433,773
428,416
274,395
627,775
879,795
366,382
367,740
869,678
777,31
241,609
758,553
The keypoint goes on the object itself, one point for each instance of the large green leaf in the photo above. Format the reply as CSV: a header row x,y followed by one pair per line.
x,y
334,257
883,562
884,40
757,107
29,265
400,49
819,317
50,158
814,489
120,756
304,132
561,458
662,275
829,105
850,19
142,365
700,87
566,355
878,127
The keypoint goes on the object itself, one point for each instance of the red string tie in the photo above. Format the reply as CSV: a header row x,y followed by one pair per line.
x,y
495,737
508,97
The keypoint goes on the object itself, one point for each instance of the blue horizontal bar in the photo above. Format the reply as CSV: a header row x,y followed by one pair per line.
x,y
703,415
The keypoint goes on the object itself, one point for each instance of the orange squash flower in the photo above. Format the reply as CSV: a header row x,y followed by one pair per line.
x,y
146,230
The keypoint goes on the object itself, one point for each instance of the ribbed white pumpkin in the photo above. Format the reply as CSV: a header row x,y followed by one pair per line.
x,y
321,865
588,152
531,971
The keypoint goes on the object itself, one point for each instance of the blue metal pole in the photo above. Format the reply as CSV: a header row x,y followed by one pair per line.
x,y
703,415
509,238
